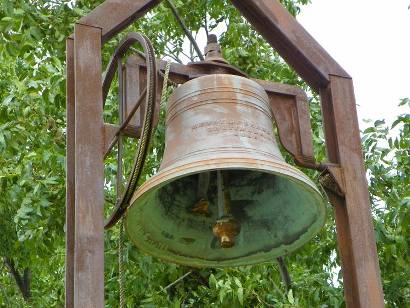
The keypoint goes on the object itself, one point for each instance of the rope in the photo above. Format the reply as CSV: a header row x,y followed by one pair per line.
x,y
146,130
147,127
121,264
121,235
165,83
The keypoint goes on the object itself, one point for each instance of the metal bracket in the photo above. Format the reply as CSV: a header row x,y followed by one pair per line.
x,y
332,180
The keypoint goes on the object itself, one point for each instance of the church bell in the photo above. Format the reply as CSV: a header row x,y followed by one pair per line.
x,y
224,195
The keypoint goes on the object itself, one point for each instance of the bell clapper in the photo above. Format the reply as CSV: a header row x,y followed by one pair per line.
x,y
226,227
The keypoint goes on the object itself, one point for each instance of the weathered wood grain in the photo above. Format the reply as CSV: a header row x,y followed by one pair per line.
x,y
70,177
89,169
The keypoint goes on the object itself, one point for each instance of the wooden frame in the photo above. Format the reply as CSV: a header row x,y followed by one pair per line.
x,y
85,141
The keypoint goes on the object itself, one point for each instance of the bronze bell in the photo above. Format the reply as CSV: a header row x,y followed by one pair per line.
x,y
223,196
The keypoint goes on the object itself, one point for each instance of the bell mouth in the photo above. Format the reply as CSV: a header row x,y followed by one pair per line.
x,y
278,208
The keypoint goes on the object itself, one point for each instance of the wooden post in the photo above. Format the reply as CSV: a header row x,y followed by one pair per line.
x,y
356,240
70,178
89,169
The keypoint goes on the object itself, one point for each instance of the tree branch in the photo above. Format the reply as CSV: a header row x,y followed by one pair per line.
x,y
22,282
206,20
178,280
172,55
261,301
184,27
26,283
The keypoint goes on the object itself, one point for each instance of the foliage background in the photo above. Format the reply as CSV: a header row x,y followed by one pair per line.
x,y
32,172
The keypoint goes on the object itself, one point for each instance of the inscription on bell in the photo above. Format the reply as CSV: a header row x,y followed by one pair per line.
x,y
235,127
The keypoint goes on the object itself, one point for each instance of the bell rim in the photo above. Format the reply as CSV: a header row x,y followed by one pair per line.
x,y
234,163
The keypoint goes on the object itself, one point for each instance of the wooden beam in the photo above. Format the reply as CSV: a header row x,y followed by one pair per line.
x,y
344,240
70,178
329,128
112,16
291,40
89,169
355,229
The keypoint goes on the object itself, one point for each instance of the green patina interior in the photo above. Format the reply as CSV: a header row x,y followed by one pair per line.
x,y
277,213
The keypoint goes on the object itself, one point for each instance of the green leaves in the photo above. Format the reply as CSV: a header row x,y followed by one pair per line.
x,y
32,145
290,297
229,289
32,170
212,282
387,152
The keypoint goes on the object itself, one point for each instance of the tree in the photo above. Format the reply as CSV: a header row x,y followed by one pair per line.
x,y
32,168
387,152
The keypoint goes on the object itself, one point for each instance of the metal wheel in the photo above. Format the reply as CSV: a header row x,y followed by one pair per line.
x,y
148,98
